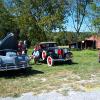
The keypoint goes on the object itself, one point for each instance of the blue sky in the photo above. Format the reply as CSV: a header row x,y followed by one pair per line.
x,y
70,27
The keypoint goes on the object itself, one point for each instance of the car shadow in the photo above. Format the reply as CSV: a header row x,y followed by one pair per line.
x,y
19,73
64,63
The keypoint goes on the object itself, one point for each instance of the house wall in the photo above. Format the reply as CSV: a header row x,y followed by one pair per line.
x,y
98,43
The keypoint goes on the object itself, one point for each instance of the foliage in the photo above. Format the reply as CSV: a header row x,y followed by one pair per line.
x,y
65,38
6,20
36,17
78,14
96,15
38,20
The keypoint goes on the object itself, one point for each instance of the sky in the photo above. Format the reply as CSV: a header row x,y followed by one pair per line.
x,y
68,26
86,26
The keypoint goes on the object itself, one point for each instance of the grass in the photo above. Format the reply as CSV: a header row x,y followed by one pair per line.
x,y
42,78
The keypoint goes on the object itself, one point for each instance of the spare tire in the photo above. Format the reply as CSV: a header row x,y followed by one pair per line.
x,y
44,55
50,61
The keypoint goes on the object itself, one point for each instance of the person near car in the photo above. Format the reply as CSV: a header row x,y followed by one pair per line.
x,y
35,55
24,47
20,43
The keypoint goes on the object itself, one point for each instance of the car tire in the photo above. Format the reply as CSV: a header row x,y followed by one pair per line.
x,y
50,61
44,55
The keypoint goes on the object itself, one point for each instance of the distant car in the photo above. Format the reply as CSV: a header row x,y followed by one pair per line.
x,y
10,60
51,53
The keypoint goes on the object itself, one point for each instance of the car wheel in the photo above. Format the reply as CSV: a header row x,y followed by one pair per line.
x,y
44,54
50,61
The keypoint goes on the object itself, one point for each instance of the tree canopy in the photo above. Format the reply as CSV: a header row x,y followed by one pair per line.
x,y
36,20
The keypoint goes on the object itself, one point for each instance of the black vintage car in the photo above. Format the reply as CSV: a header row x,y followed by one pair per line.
x,y
51,53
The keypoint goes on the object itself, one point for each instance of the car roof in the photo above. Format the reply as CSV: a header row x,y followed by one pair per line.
x,y
46,42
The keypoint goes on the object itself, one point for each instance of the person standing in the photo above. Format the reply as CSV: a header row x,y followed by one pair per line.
x,y
20,43
35,55
24,47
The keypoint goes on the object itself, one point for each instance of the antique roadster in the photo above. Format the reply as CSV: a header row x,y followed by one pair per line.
x,y
51,53
10,60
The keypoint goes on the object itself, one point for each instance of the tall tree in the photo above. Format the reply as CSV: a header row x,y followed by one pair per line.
x,y
78,13
96,15
6,20
37,17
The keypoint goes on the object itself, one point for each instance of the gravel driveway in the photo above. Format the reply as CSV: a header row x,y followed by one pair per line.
x,y
72,95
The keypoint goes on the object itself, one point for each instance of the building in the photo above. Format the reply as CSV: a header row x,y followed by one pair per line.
x,y
92,42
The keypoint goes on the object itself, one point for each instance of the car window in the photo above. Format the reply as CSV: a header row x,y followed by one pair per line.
x,y
52,45
47,45
11,54
43,46
55,45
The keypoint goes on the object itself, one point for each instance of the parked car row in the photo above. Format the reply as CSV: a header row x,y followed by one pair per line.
x,y
49,52
12,59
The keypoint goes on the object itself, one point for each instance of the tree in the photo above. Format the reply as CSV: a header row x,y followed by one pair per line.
x,y
78,14
96,15
35,18
6,20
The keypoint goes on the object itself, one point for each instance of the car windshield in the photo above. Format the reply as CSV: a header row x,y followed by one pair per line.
x,y
11,54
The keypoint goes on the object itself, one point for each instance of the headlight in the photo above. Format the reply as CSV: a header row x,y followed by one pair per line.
x,y
65,50
56,51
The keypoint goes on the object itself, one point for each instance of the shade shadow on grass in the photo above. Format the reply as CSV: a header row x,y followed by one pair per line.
x,y
19,73
63,63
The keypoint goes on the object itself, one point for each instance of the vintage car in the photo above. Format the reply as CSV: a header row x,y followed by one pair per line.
x,y
51,53
10,60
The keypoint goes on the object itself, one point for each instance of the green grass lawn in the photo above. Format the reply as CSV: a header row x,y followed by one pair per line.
x,y
61,78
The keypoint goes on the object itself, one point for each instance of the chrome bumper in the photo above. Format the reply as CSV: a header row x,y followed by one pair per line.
x,y
5,68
